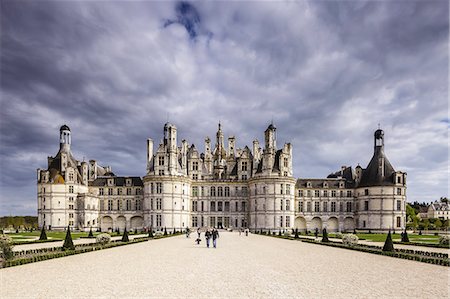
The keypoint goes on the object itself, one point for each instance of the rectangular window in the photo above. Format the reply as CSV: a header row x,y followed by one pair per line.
x,y
159,188
308,193
399,191
119,204
119,191
236,208
128,191
219,191
227,191
194,221
325,206
286,162
128,205
160,161
159,204
161,172
316,206
195,191
399,205
213,206
212,191
288,189
281,221
316,193
244,191
138,191
366,205
333,193
300,193
202,206
212,221
138,205
333,206
110,191
308,206
151,204
399,221
288,221
194,206
158,220
281,188
110,205
227,206
341,209
243,206
325,193
195,176
202,189
195,165
300,206
281,205
349,193
70,189
366,192
219,206
244,166
101,191
341,193
349,206
288,205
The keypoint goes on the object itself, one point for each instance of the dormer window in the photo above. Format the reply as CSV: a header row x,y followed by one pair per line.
x,y
325,185
128,182
341,184
308,184
110,182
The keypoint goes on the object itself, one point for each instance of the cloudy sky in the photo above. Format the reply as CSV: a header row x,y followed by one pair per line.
x,y
327,73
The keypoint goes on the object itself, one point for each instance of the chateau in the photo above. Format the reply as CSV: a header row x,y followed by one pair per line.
x,y
222,187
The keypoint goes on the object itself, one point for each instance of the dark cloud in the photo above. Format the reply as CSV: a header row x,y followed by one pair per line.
x,y
326,72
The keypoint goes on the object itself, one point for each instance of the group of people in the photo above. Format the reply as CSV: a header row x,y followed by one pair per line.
x,y
209,234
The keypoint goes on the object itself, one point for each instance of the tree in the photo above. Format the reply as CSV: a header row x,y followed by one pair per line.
x,y
325,235
426,224
68,243
438,224
91,234
125,236
388,245
43,235
405,238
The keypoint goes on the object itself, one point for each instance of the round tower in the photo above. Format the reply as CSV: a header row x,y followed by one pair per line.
x,y
65,138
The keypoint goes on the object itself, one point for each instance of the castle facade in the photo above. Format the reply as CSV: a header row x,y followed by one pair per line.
x,y
225,187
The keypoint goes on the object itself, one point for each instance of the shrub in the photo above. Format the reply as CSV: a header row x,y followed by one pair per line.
x,y
125,236
444,240
350,239
388,245
68,243
325,236
405,238
150,233
103,239
339,235
6,246
43,235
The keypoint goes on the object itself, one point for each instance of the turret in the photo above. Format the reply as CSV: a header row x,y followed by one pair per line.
x,y
270,138
64,138
84,173
149,154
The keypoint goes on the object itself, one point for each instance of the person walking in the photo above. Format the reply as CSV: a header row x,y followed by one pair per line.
x,y
246,232
198,232
215,236
207,237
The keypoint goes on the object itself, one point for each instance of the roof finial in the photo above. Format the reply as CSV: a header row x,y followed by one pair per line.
x,y
219,125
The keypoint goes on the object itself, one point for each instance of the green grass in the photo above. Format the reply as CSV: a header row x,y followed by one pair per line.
x,y
56,235
429,239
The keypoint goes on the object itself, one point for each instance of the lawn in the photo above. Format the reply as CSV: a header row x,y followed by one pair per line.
x,y
56,235
430,239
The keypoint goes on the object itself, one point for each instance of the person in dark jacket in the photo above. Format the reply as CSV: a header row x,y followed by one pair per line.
x,y
215,236
207,237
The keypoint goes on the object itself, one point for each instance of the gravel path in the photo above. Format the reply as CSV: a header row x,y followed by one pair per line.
x,y
253,266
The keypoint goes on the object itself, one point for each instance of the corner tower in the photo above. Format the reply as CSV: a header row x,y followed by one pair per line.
x,y
65,138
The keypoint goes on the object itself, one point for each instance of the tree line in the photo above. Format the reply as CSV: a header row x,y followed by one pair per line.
x,y
19,221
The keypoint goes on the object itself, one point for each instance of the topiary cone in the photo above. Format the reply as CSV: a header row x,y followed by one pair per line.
x,y
388,245
91,235
165,231
296,234
125,236
405,238
43,235
325,236
68,243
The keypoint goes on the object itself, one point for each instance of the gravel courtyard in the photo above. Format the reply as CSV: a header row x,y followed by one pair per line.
x,y
253,266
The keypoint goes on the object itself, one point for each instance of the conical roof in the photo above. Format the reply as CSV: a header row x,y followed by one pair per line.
x,y
371,176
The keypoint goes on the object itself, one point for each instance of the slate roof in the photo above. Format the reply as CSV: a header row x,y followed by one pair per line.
x,y
371,176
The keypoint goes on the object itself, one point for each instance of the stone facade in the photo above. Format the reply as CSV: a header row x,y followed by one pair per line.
x,y
222,187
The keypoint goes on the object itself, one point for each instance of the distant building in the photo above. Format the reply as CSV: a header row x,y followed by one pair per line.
x,y
222,187
439,210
